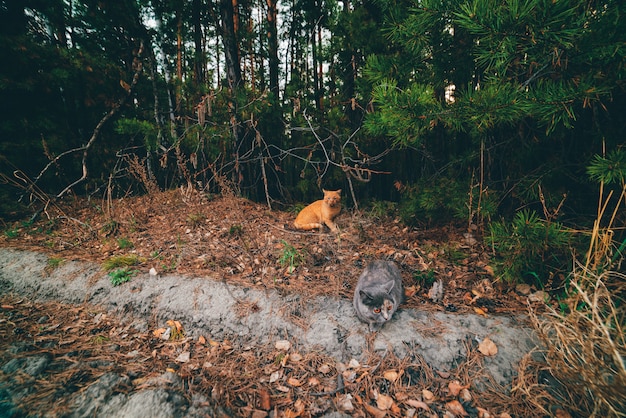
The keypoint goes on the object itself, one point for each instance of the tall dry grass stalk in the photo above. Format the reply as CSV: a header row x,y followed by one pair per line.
x,y
585,343
585,347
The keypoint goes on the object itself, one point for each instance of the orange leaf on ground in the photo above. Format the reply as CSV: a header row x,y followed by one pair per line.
x,y
264,400
384,402
455,387
374,412
417,404
456,408
488,347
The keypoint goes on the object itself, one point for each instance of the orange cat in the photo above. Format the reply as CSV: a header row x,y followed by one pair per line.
x,y
320,212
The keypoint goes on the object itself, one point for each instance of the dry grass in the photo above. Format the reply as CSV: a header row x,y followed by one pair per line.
x,y
585,347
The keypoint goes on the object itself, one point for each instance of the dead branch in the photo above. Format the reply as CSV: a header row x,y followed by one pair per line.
x,y
96,132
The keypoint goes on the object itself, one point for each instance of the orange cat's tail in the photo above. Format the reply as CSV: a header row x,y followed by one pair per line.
x,y
307,226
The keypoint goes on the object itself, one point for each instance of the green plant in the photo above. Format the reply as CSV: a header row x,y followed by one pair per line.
x,y
529,247
381,209
100,339
121,261
442,198
110,227
54,262
121,275
124,243
235,230
424,278
11,233
290,257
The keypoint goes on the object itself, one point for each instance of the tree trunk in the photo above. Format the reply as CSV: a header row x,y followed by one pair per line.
x,y
199,60
272,45
233,74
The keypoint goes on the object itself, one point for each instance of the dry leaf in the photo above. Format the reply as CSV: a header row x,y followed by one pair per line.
x,y
324,369
344,403
314,381
282,388
384,402
436,291
283,345
391,375
374,412
159,332
456,408
427,395
562,414
294,382
417,404
480,311
264,400
466,395
184,357
443,373
488,347
201,340
455,387
483,413
410,291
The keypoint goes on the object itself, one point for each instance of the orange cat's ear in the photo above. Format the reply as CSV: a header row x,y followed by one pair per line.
x,y
339,191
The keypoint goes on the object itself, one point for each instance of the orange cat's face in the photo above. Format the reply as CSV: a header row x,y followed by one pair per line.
x,y
332,197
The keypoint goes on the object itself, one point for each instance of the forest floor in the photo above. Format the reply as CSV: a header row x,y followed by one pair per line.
x,y
117,350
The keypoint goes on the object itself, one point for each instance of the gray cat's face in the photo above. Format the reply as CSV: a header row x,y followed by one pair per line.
x,y
376,309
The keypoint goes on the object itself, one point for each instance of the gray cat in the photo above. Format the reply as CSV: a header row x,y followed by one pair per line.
x,y
378,293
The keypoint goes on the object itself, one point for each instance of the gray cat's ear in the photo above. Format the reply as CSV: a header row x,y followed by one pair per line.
x,y
389,287
364,295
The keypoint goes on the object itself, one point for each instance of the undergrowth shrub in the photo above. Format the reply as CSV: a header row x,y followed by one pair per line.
x,y
445,197
529,248
585,343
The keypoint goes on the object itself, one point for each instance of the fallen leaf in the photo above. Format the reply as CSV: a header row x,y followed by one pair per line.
x,y
483,413
264,400
295,357
374,412
384,402
480,311
314,381
455,387
401,396
417,404
411,291
391,375
488,347
465,395
159,332
8,307
324,369
294,382
427,395
283,345
443,373
562,414
282,388
344,403
201,340
436,291
184,357
354,364
456,408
